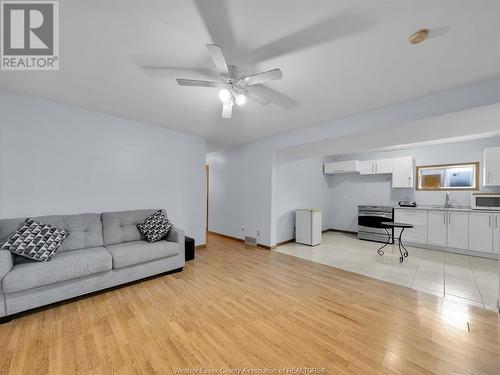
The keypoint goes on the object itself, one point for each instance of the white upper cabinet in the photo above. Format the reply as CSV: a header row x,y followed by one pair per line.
x,y
366,167
481,231
436,227
491,167
349,166
458,230
403,172
381,166
496,233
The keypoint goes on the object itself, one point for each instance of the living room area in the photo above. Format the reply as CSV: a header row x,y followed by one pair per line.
x,y
154,156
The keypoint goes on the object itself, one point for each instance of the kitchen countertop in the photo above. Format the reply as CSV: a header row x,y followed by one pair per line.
x,y
443,208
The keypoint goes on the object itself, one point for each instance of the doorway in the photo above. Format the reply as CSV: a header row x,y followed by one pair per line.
x,y
207,174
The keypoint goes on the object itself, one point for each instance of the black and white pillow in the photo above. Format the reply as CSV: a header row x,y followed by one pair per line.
x,y
155,226
35,240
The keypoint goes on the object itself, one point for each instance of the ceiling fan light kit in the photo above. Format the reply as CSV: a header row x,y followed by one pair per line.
x,y
235,89
224,95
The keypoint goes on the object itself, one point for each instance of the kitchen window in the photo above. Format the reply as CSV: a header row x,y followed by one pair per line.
x,y
463,176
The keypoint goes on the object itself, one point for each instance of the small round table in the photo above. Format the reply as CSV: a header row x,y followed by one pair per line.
x,y
391,225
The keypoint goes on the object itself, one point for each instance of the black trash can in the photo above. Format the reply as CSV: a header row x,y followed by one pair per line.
x,y
189,247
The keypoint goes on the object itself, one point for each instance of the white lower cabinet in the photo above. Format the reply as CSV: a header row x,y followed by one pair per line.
x,y
481,231
418,218
458,230
453,229
496,233
436,227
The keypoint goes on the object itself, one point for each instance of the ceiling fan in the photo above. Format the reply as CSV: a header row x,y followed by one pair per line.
x,y
234,89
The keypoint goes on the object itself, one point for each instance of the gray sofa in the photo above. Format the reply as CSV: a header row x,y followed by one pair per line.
x,y
102,251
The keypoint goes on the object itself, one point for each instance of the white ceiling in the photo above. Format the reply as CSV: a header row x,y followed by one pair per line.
x,y
338,58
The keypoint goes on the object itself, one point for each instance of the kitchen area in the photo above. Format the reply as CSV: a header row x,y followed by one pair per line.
x,y
449,195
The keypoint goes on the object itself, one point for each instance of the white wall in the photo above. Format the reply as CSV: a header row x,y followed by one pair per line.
x,y
240,192
57,159
301,184
349,191
243,179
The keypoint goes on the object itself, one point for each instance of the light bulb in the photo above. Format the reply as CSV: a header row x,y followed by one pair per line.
x,y
241,99
224,95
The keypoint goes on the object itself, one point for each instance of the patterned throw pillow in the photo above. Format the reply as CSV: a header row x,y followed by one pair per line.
x,y
155,226
35,240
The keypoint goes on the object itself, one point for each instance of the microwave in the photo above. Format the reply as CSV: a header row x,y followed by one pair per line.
x,y
486,201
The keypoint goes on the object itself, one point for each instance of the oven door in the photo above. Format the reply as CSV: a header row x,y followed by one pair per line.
x,y
369,219
370,226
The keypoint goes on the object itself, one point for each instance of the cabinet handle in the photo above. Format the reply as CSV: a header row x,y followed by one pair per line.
x,y
449,217
496,221
444,217
490,221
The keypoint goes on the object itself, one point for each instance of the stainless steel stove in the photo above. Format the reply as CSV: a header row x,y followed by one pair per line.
x,y
370,220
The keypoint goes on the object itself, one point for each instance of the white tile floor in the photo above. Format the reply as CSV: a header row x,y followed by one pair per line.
x,y
455,277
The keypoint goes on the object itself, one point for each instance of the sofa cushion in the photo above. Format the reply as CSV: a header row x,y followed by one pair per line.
x,y
35,240
85,229
155,227
135,252
62,267
121,226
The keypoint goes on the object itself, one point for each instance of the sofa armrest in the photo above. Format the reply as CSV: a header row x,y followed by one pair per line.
x,y
6,262
177,235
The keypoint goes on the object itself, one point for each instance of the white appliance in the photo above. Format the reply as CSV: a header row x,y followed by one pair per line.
x,y
486,201
308,226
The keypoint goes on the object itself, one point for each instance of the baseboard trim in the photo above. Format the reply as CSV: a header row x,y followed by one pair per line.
x,y
200,246
225,236
323,231
238,239
285,242
279,243
341,231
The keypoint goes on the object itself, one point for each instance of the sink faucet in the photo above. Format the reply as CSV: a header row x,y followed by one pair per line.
x,y
447,201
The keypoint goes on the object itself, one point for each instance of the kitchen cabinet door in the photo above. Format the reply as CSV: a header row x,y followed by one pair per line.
x,y
403,172
367,167
418,218
383,166
492,166
349,166
496,233
458,230
436,228
481,231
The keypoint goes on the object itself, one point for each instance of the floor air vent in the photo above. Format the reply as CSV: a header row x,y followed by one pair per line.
x,y
250,242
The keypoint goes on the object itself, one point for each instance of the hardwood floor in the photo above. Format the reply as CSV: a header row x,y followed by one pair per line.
x,y
234,308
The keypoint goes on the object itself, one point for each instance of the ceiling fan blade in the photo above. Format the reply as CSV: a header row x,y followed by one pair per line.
x,y
256,98
270,75
277,98
331,28
217,21
218,58
197,82
168,72
227,111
